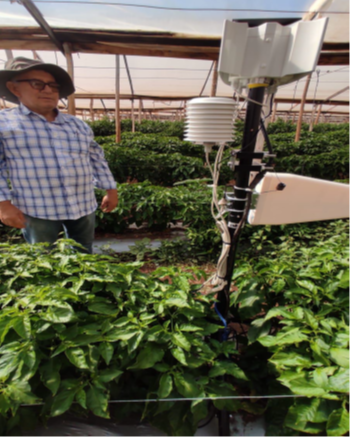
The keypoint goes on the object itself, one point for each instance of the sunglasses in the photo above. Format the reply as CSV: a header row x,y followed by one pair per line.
x,y
39,85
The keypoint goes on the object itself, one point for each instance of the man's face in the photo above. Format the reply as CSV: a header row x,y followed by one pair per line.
x,y
39,101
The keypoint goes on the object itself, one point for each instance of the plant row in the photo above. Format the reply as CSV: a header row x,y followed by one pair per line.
x,y
79,331
295,303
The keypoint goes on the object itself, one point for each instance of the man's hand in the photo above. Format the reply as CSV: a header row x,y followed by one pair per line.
x,y
110,201
10,215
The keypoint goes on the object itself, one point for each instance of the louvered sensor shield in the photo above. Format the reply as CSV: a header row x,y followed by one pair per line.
x,y
210,120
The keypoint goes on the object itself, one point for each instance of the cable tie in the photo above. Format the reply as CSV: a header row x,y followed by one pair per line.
x,y
235,210
232,225
248,190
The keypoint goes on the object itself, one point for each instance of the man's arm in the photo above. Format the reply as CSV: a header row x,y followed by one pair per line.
x,y
110,200
10,215
103,177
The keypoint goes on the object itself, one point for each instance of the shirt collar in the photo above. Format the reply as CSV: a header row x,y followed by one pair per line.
x,y
60,119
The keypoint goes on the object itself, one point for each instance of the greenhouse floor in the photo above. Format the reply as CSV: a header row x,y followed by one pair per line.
x,y
122,242
239,426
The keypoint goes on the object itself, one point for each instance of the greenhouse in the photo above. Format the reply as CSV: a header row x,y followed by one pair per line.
x,y
181,172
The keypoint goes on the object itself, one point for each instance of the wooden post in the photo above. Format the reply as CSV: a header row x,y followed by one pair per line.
x,y
311,125
302,104
140,110
92,115
117,99
318,114
70,69
132,116
214,83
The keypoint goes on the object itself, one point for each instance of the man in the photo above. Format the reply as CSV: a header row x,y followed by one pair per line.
x,y
50,158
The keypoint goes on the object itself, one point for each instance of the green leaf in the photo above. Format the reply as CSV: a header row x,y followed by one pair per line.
x,y
256,332
283,338
8,363
59,315
302,412
108,375
50,375
339,382
283,360
227,368
148,356
103,308
187,327
186,385
80,397
338,422
165,386
97,402
223,389
121,334
181,341
301,385
106,350
340,356
134,342
62,402
20,391
199,411
5,404
77,357
22,326
179,354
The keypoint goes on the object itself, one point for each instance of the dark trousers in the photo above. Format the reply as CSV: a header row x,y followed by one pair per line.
x,y
47,231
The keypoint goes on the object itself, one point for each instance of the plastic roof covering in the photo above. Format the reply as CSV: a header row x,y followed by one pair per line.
x,y
168,76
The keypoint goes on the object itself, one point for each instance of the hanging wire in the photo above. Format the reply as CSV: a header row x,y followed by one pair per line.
x,y
133,5
206,80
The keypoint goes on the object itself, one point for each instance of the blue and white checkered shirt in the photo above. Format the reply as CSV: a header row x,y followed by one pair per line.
x,y
52,166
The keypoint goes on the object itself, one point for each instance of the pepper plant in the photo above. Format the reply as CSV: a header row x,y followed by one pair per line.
x,y
77,331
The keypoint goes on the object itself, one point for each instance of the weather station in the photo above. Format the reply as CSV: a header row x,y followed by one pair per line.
x,y
255,59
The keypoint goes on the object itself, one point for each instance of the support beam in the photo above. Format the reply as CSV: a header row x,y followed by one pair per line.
x,y
70,69
117,100
318,114
302,104
38,17
92,113
140,110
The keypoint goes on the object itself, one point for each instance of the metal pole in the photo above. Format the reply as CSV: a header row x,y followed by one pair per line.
x,y
237,206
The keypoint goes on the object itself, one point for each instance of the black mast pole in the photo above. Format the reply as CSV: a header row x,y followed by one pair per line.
x,y
236,206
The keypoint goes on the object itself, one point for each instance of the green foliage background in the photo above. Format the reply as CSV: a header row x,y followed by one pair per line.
x,y
77,331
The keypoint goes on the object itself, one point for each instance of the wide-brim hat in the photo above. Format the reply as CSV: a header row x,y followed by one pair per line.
x,y
20,65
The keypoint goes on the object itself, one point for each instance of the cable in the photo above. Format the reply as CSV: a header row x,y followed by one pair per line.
x,y
204,398
135,68
186,9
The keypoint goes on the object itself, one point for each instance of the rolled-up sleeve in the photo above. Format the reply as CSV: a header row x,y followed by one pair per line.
x,y
5,193
103,177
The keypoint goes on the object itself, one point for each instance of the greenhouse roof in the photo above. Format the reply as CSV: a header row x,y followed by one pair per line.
x,y
169,46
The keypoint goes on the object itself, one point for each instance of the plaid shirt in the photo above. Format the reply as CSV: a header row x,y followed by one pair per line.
x,y
52,166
